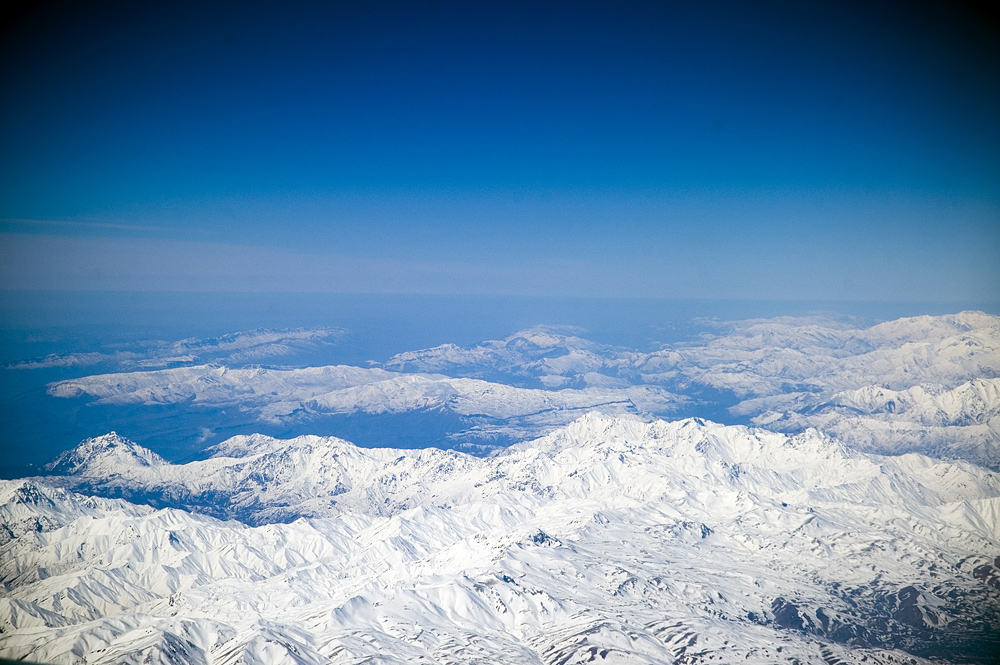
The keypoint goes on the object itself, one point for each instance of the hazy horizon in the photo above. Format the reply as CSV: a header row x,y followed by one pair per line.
x,y
370,328
829,151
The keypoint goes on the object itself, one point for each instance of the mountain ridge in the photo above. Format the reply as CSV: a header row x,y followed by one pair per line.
x,y
638,540
262,476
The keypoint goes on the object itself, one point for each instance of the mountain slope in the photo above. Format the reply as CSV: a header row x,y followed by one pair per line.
x,y
963,422
611,539
108,452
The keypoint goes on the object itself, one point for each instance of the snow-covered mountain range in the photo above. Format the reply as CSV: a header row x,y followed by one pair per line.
x,y
611,539
807,530
747,358
487,410
922,384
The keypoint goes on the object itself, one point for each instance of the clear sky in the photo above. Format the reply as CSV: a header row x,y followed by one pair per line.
x,y
709,150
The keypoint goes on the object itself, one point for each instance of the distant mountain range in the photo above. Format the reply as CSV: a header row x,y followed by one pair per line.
x,y
922,384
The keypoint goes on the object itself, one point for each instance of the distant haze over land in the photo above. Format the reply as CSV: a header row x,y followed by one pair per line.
x,y
187,377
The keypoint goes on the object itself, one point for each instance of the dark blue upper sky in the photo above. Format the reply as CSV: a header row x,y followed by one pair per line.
x,y
749,150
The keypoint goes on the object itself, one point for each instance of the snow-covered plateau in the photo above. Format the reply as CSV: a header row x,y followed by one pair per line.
x,y
610,540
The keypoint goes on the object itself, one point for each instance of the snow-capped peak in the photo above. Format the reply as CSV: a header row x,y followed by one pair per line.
x,y
103,455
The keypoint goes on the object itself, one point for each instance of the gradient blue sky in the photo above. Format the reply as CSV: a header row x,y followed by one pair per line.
x,y
708,150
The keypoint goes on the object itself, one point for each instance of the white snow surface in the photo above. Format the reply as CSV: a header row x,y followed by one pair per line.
x,y
936,376
751,358
610,540
283,395
939,373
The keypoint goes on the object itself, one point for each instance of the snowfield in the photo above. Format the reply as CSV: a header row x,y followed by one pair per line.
x,y
609,540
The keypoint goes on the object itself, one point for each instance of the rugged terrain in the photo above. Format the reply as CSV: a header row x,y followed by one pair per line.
x,y
609,540
848,512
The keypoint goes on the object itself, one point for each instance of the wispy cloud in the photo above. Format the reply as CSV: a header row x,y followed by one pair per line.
x,y
236,348
79,225
67,360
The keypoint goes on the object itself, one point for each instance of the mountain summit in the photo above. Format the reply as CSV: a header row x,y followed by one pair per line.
x,y
103,456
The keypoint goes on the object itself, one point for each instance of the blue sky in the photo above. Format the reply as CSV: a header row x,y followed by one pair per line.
x,y
706,150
